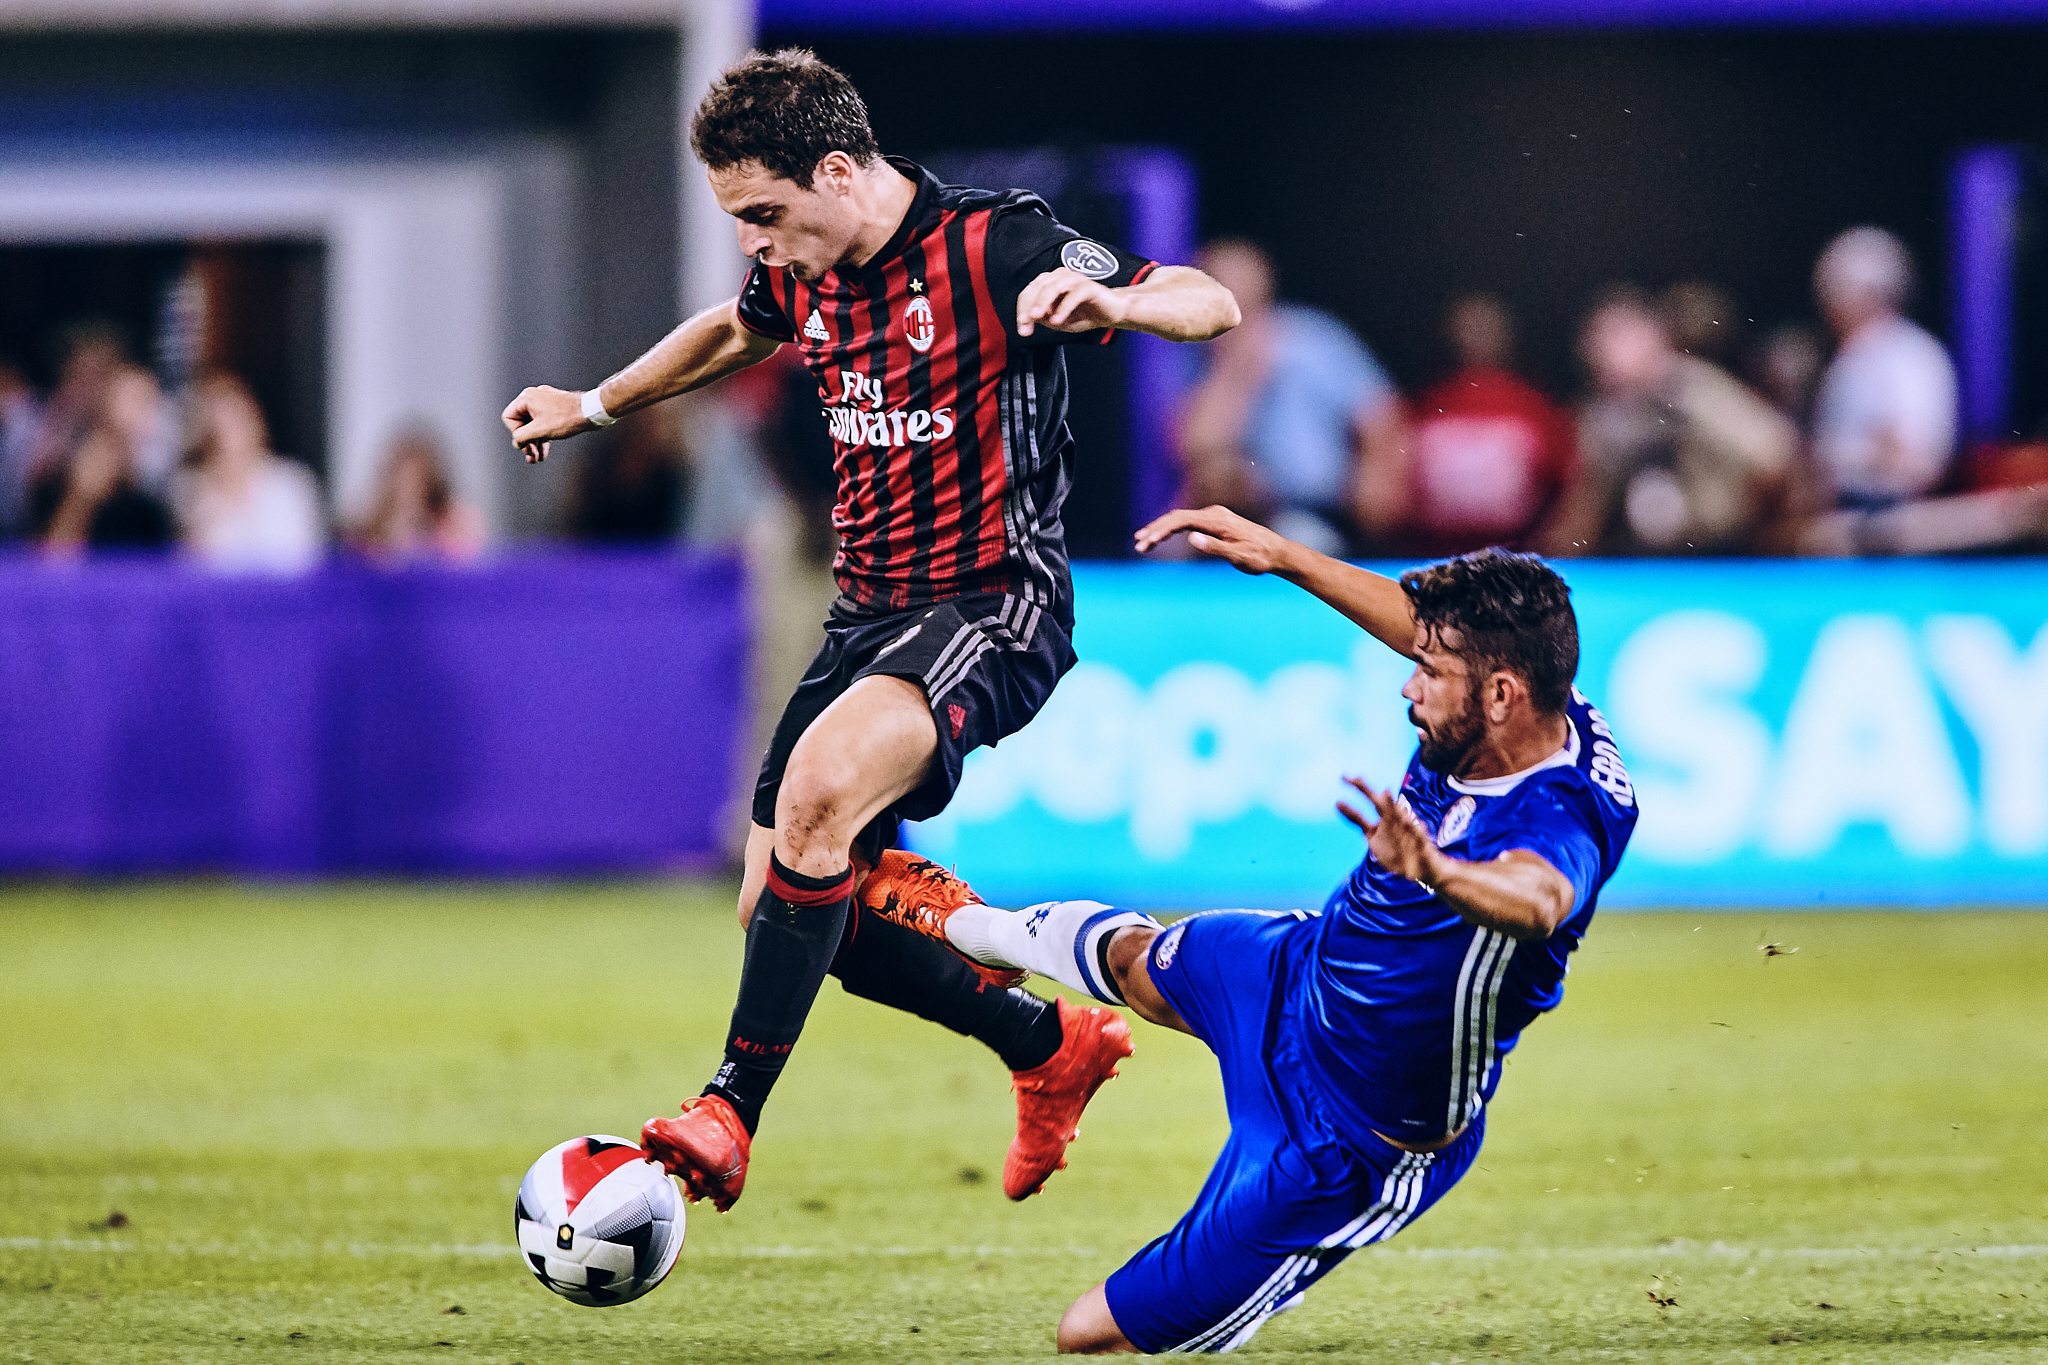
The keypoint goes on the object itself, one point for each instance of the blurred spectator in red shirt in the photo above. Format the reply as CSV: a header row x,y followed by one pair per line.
x,y
1488,454
416,515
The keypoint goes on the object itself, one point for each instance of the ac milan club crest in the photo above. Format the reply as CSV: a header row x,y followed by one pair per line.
x,y
919,328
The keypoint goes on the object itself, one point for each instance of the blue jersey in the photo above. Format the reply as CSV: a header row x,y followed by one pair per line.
x,y
1409,1010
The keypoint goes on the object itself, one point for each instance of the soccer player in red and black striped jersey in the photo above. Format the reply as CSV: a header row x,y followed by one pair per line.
x,y
932,318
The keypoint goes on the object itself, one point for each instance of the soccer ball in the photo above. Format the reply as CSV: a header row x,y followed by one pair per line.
x,y
598,1222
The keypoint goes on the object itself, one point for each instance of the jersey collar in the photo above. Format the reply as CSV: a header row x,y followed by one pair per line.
x,y
1567,757
927,186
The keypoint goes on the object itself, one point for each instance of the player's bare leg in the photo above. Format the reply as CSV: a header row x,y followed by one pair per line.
x,y
1130,963
863,753
1087,1329
760,843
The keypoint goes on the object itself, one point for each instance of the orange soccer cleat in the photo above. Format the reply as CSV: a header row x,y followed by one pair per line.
x,y
706,1149
1050,1097
919,894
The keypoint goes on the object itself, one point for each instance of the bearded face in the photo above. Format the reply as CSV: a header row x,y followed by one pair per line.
x,y
1443,697
1445,744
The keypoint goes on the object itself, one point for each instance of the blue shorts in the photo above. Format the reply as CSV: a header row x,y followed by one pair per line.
x,y
1288,1198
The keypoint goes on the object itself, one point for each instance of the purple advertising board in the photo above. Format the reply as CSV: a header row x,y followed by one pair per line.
x,y
550,713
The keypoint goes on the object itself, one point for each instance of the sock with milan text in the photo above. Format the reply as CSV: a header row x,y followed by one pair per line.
x,y
796,929
901,968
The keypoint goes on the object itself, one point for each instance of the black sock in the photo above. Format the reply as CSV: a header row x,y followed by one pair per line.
x,y
904,970
797,925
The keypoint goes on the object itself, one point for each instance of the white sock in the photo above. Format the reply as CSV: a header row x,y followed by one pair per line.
x,y
1059,939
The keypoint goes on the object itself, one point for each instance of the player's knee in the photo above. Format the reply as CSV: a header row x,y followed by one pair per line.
x,y
816,805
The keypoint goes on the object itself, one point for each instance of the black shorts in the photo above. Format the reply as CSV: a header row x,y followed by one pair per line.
x,y
986,664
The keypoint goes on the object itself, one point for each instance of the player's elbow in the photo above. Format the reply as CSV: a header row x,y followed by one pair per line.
x,y
1547,909
1528,898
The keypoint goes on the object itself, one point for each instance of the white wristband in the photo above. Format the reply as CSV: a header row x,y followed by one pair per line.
x,y
593,410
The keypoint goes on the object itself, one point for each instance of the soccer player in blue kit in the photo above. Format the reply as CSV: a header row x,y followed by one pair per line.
x,y
1359,1044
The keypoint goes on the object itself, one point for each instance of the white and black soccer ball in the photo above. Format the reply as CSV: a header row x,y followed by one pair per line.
x,y
598,1223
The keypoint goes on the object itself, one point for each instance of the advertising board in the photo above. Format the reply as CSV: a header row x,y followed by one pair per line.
x,y
1799,734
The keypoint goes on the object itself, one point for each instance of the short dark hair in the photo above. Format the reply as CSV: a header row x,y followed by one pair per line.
x,y
785,111
1513,613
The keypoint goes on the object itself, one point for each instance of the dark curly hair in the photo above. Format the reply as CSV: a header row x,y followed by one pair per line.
x,y
1511,612
785,111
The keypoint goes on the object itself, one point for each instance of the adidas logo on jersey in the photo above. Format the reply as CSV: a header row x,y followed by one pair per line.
x,y
815,328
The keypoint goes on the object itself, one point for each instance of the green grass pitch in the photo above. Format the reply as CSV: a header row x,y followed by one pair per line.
x,y
311,1106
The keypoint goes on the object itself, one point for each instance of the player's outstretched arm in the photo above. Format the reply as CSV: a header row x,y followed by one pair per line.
x,y
1373,601
1518,893
706,348
1177,302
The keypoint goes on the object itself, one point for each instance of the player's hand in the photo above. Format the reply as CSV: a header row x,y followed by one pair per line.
x,y
1248,546
1067,301
1398,840
543,414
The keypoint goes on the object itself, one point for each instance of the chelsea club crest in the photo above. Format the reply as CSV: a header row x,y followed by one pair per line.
x,y
1457,820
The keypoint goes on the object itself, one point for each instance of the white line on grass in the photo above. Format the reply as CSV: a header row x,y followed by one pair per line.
x,y
1676,1250
259,1251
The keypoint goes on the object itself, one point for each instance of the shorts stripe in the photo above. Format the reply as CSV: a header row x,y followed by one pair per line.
x,y
1010,628
1400,1195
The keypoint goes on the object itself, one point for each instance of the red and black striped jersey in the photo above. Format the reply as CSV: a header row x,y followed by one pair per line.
x,y
949,430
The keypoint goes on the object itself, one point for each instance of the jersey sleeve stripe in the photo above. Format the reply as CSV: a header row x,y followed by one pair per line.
x,y
1020,504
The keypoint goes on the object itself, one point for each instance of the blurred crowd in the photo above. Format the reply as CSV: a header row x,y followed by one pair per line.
x,y
108,461
1689,437
1686,441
